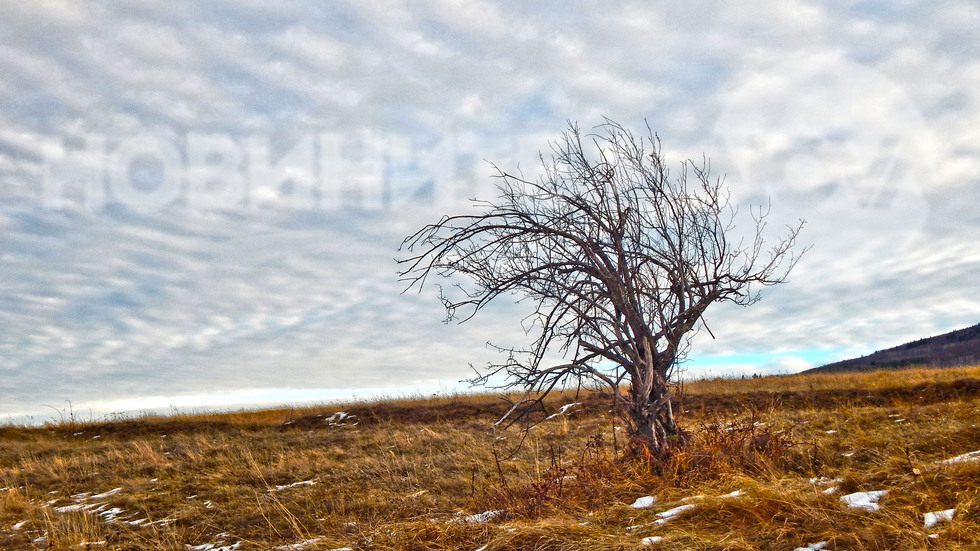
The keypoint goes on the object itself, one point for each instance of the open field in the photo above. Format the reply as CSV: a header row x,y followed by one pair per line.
x,y
769,462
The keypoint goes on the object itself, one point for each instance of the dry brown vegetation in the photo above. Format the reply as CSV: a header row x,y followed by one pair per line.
x,y
426,474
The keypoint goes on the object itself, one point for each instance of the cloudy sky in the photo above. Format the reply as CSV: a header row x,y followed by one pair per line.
x,y
200,202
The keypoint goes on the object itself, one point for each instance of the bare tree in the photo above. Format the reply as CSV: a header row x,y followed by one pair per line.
x,y
620,261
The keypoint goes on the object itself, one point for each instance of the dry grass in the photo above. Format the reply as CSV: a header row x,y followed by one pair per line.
x,y
426,474
802,382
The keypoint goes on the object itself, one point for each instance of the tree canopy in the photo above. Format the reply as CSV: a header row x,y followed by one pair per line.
x,y
620,259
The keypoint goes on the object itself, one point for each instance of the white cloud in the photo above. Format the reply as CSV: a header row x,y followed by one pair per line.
x,y
861,118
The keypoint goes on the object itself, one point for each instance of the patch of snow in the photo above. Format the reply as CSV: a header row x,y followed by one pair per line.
x,y
104,495
935,517
484,516
864,500
644,502
70,508
293,485
830,483
824,481
214,547
110,514
563,409
650,540
812,546
966,457
671,513
339,417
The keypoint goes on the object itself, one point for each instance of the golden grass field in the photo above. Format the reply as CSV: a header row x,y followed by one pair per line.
x,y
768,463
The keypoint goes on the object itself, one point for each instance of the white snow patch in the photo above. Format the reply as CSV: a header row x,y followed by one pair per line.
x,y
644,502
485,516
339,417
71,508
671,513
104,495
563,409
864,500
830,483
966,457
214,547
824,481
110,514
293,485
812,546
935,517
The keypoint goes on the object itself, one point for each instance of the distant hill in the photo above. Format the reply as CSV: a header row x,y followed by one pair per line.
x,y
956,348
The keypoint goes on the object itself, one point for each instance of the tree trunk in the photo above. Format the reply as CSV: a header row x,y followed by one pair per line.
x,y
652,428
